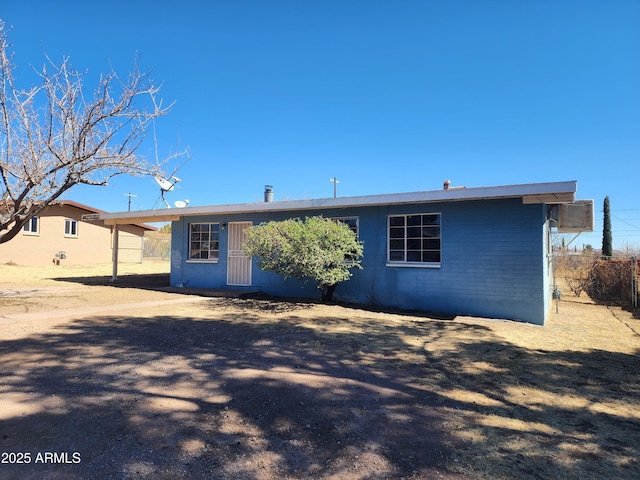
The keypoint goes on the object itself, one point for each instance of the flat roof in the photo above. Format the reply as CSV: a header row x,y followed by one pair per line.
x,y
548,193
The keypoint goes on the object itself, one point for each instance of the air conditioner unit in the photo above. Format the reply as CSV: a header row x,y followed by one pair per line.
x,y
575,217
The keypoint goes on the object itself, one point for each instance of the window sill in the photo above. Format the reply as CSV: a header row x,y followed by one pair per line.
x,y
202,261
413,265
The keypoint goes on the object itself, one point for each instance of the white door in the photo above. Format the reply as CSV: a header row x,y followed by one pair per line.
x,y
238,264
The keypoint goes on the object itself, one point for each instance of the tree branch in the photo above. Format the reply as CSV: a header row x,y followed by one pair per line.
x,y
54,136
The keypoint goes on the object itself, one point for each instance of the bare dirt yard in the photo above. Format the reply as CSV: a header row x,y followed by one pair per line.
x,y
136,381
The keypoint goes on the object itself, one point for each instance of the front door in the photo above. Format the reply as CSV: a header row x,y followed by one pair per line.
x,y
238,264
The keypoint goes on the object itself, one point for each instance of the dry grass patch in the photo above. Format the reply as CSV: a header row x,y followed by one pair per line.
x,y
52,275
25,289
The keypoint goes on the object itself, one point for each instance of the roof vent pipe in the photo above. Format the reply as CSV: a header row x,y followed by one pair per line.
x,y
446,184
268,193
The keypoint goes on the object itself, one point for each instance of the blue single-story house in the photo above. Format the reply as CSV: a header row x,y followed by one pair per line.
x,y
464,251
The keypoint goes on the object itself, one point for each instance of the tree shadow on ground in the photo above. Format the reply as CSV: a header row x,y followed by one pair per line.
x,y
160,282
231,395
275,304
144,281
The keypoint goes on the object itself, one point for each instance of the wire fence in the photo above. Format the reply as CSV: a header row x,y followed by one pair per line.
x,y
157,246
604,279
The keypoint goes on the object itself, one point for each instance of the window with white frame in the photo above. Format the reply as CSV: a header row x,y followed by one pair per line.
x,y
70,227
32,227
204,242
414,239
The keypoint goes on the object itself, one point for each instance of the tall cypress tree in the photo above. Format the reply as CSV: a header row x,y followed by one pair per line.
x,y
607,247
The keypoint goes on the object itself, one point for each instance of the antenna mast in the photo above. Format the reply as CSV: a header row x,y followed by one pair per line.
x,y
335,186
129,195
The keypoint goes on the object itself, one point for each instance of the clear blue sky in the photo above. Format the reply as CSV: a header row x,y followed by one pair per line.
x,y
388,96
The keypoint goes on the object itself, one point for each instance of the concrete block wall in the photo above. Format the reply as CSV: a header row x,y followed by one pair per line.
x,y
493,261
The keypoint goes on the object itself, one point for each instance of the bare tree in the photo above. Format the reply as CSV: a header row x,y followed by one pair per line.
x,y
631,249
53,137
577,271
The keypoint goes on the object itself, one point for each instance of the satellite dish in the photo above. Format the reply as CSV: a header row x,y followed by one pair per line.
x,y
166,185
181,203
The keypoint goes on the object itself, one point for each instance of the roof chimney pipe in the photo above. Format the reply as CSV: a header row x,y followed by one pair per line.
x,y
268,193
446,184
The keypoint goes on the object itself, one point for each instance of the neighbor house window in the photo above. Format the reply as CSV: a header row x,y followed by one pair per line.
x,y
70,228
204,244
32,227
414,240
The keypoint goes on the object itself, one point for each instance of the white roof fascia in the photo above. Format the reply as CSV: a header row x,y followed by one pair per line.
x,y
551,192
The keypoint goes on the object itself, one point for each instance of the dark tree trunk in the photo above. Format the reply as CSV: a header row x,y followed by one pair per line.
x,y
327,292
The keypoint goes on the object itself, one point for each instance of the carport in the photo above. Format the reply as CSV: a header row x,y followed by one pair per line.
x,y
115,220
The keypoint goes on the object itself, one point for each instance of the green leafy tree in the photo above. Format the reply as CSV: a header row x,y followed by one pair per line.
x,y
319,249
607,246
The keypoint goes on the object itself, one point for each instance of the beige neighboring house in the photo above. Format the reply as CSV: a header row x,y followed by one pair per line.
x,y
60,236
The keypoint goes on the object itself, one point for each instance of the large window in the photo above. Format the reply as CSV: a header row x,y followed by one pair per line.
x,y
70,228
32,227
414,240
204,242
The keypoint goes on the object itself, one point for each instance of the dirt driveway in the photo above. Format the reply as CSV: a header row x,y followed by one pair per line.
x,y
117,381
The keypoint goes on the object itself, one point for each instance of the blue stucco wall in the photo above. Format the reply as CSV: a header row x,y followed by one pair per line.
x,y
494,261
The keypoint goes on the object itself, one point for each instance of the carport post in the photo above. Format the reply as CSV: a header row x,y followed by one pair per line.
x,y
114,256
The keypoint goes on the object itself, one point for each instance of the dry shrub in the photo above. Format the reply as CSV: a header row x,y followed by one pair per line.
x,y
611,280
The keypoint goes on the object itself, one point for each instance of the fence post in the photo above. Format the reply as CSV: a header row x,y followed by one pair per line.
x,y
556,291
634,282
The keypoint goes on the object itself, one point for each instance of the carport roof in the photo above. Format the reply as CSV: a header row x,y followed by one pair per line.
x,y
547,193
